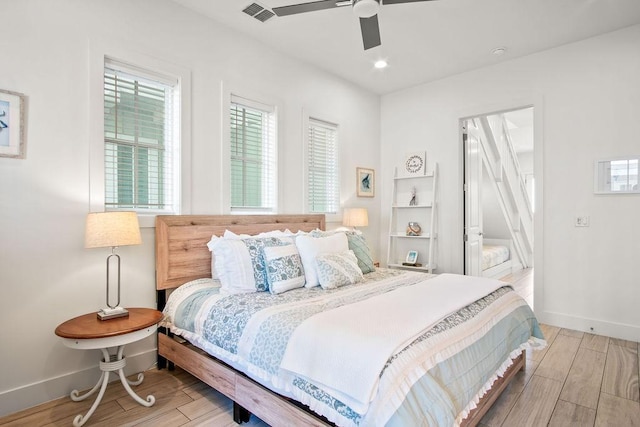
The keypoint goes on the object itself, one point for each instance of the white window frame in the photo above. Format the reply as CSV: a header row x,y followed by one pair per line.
x,y
311,121
99,52
258,100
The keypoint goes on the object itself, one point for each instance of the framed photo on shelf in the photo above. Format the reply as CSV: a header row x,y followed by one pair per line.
x,y
412,257
366,182
12,117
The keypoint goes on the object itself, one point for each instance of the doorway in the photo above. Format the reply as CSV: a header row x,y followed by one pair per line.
x,y
499,193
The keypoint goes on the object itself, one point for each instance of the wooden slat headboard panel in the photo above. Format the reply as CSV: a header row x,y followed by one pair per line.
x,y
181,240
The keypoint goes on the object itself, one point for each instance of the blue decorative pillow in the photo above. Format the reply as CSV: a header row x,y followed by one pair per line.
x,y
338,269
358,244
239,263
255,248
284,269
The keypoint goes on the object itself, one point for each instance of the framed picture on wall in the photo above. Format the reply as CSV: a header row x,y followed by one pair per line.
x,y
365,180
12,117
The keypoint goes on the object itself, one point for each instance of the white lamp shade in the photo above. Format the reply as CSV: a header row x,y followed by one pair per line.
x,y
355,217
111,229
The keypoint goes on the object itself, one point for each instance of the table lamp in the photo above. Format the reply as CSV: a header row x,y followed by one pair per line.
x,y
112,229
355,217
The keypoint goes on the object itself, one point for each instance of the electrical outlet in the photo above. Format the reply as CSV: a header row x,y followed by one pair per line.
x,y
582,221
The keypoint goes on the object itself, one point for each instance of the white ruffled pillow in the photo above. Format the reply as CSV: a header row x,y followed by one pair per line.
x,y
339,269
311,247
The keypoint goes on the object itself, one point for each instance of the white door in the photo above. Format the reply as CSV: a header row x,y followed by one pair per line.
x,y
472,200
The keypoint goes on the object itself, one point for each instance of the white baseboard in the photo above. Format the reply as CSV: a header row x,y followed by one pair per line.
x,y
597,327
53,388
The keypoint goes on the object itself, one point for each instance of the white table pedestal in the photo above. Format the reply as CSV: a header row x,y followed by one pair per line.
x,y
115,363
110,363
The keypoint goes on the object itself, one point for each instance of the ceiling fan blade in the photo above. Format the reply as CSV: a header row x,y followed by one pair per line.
x,y
370,32
401,1
306,7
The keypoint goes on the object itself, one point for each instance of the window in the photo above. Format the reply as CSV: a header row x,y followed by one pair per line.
x,y
323,177
141,140
253,156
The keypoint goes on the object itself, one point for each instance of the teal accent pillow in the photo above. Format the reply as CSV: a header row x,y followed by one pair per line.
x,y
338,269
358,245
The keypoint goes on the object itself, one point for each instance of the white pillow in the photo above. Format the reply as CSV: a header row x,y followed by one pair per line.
x,y
335,270
228,234
232,264
310,247
284,268
214,274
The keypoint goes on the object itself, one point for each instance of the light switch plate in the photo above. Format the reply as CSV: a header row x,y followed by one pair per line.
x,y
582,221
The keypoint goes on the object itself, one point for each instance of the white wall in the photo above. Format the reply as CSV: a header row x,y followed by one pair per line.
x,y
46,275
587,104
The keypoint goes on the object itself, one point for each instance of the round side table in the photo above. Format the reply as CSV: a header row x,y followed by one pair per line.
x,y
87,332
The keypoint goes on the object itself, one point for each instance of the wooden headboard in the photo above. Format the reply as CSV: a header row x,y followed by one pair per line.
x,y
181,240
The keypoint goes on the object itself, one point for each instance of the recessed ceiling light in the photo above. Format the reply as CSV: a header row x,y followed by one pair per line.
x,y
499,51
380,63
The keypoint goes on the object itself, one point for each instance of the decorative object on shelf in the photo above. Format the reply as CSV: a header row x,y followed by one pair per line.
x,y
112,229
355,217
413,201
414,229
415,163
12,118
365,179
412,258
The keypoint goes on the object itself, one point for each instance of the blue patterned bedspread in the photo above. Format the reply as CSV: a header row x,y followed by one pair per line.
x,y
445,370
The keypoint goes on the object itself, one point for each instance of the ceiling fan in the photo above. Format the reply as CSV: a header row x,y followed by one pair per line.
x,y
366,10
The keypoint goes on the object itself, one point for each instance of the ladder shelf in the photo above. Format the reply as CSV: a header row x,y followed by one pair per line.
x,y
423,212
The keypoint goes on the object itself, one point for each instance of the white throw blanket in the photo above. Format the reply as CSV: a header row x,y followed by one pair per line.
x,y
346,348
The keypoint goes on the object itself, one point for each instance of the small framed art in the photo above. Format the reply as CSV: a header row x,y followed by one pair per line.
x,y
412,258
12,117
365,180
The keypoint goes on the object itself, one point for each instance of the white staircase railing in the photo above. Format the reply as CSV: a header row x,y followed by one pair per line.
x,y
504,170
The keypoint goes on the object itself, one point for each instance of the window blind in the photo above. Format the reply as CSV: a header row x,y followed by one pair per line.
x,y
323,177
253,156
141,132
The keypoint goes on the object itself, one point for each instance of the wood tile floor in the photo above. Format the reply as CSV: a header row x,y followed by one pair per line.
x,y
578,380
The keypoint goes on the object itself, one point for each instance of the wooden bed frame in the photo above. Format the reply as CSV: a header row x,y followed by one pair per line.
x,y
182,255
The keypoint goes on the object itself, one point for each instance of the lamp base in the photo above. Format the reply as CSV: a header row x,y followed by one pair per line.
x,y
112,313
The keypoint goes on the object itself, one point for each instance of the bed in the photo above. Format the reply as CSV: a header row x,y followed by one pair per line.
x,y
447,374
497,259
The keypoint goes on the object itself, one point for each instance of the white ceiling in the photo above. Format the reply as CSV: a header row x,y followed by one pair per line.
x,y
424,41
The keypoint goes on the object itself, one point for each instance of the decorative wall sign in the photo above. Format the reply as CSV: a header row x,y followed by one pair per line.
x,y
415,163
12,117
366,180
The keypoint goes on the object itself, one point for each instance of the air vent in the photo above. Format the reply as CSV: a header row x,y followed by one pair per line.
x,y
264,15
259,12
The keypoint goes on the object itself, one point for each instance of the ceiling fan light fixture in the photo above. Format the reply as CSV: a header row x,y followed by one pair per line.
x,y
365,8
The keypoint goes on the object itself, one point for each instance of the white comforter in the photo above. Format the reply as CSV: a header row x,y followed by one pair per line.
x,y
327,348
